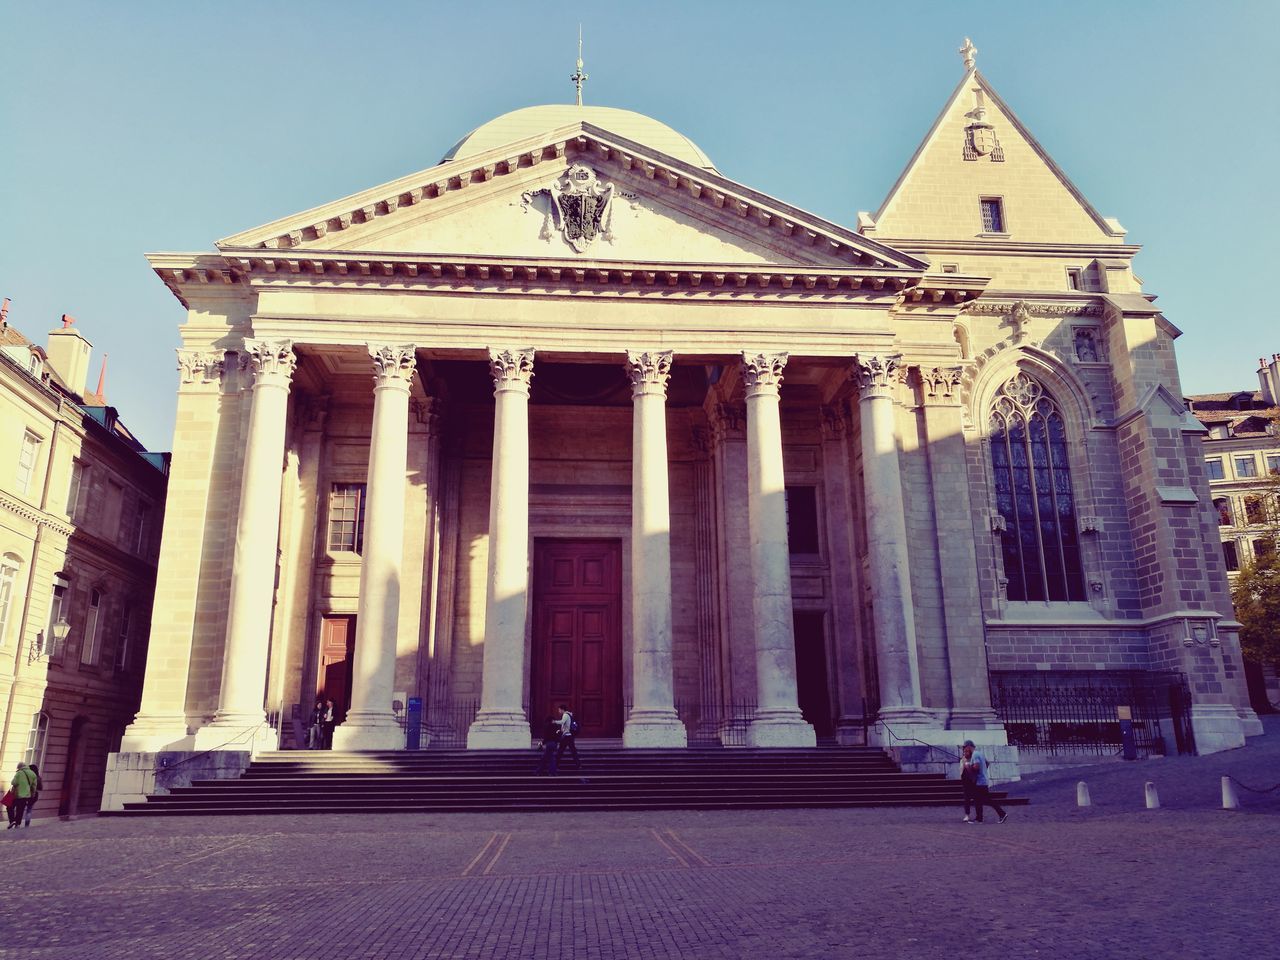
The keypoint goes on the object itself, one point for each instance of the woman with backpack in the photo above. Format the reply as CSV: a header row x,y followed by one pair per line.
x,y
35,795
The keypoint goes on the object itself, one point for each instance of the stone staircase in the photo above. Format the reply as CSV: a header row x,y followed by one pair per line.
x,y
438,781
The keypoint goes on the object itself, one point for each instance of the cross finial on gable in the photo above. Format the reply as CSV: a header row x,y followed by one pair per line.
x,y
969,52
579,78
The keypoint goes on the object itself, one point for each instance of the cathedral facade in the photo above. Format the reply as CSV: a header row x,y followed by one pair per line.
x,y
571,417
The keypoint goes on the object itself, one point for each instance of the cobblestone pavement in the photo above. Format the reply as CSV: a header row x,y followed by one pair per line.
x,y
1189,880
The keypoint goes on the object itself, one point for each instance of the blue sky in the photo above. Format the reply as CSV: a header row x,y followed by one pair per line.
x,y
136,126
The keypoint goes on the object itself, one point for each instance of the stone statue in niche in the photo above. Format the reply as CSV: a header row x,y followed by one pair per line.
x,y
1086,345
578,206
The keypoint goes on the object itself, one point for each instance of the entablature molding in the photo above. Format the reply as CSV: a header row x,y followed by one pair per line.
x,y
1004,248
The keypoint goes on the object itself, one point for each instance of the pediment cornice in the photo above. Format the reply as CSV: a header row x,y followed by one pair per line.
x,y
581,140
463,274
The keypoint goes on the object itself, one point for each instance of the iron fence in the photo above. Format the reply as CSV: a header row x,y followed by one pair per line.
x,y
448,721
1078,711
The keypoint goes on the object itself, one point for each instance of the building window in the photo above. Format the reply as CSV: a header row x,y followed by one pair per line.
x,y
1214,465
122,640
802,519
8,577
78,471
1040,545
111,515
346,517
141,528
1229,555
1223,506
92,621
1075,278
33,365
1263,547
57,612
1273,463
950,268
1255,510
992,215
27,460
1246,467
37,738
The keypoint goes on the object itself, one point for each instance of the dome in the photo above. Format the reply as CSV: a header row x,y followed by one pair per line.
x,y
530,121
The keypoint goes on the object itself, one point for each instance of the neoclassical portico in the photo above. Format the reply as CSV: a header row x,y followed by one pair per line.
x,y
573,418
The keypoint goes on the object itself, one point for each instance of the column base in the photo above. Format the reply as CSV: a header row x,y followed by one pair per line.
x,y
372,731
495,730
1249,720
156,734
654,728
780,728
237,734
974,720
1217,727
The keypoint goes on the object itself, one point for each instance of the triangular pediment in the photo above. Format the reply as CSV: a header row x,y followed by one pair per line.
x,y
978,148
515,201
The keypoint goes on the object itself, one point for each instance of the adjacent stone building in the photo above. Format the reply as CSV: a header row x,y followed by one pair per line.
x,y
1242,460
81,508
572,416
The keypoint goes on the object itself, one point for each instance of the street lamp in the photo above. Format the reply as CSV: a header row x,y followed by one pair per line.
x,y
38,651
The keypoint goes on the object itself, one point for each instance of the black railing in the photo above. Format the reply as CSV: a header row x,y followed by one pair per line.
x,y
716,724
448,721
1078,711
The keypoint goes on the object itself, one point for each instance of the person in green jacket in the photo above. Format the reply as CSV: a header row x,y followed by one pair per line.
x,y
24,789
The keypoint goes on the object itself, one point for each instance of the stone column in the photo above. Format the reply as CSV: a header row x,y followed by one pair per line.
x,y
652,721
777,721
894,617
957,560
501,722
239,723
161,723
371,724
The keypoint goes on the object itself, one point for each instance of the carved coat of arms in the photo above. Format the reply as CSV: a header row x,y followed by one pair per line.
x,y
579,207
981,141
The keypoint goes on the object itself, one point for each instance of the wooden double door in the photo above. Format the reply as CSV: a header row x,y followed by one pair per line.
x,y
577,634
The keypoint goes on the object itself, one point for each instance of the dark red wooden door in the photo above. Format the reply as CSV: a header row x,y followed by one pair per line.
x,y
337,652
577,639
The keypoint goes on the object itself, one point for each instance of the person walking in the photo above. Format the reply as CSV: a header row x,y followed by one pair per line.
x,y
550,741
24,785
967,778
977,763
568,738
26,816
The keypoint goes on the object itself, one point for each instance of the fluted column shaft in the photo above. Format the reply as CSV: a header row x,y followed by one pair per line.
x,y
652,721
892,610
371,723
238,723
777,722
501,722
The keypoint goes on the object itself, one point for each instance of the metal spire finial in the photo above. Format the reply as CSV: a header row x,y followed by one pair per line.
x,y
969,52
579,78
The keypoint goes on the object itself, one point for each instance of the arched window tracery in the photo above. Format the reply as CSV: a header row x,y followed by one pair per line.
x,y
1032,473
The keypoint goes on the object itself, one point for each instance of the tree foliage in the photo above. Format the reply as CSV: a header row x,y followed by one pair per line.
x,y
1256,593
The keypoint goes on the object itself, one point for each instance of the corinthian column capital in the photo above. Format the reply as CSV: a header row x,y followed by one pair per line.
x,y
202,366
875,373
272,361
511,369
762,372
393,364
941,384
649,372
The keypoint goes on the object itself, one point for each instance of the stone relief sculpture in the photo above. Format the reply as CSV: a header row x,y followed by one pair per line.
x,y
1086,345
578,206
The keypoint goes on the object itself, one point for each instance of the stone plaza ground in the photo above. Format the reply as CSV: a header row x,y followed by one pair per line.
x,y
1117,880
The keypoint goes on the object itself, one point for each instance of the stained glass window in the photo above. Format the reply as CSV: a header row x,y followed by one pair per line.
x,y
1040,543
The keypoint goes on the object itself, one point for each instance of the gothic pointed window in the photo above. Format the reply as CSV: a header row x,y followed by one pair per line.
x,y
1040,543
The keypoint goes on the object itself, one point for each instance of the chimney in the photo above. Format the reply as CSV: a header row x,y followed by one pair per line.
x,y
69,355
1269,376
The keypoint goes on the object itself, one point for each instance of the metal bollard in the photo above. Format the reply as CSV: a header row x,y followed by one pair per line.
x,y
1153,798
1082,795
1229,799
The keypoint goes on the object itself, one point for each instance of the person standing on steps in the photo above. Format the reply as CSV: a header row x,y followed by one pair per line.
x,y
977,763
568,731
327,723
315,730
550,741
